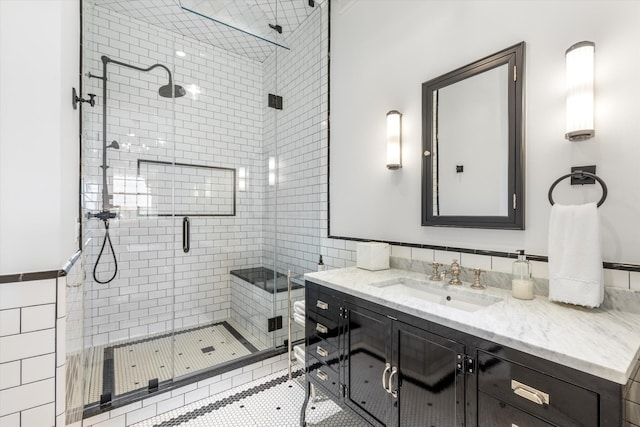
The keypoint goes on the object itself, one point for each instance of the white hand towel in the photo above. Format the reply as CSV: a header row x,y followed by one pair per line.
x,y
575,255
299,318
298,307
298,352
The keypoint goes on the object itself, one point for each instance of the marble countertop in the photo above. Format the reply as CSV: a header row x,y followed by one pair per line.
x,y
604,343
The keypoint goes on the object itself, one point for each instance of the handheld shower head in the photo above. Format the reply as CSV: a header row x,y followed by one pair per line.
x,y
114,144
167,91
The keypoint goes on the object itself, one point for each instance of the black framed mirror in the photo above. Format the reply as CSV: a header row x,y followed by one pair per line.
x,y
473,145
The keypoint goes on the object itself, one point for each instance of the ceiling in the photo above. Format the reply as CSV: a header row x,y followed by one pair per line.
x,y
239,26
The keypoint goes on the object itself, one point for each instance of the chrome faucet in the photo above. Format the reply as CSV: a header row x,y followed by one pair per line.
x,y
434,271
476,281
455,270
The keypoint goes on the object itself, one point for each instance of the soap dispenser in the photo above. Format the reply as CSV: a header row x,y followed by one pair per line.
x,y
321,266
521,282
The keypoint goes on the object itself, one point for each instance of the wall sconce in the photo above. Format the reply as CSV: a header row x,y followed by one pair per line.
x,y
272,171
242,179
394,139
579,74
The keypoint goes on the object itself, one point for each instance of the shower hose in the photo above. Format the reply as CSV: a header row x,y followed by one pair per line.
x,y
104,242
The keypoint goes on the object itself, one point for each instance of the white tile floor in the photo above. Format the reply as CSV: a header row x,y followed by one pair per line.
x,y
272,401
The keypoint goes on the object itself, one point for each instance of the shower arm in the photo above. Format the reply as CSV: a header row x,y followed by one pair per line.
x,y
106,205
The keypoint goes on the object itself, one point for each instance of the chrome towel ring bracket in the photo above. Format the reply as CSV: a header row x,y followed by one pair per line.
x,y
580,175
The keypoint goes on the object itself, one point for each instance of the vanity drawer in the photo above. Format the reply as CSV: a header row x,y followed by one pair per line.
x,y
322,327
325,353
494,413
319,373
549,398
321,302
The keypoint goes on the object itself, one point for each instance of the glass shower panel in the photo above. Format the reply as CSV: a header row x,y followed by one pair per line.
x,y
297,145
129,233
221,302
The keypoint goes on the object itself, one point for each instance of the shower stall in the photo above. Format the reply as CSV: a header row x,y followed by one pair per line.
x,y
203,172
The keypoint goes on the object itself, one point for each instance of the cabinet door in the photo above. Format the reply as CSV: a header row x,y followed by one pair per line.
x,y
430,388
367,339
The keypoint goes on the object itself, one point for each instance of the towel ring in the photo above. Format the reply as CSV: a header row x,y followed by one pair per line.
x,y
581,175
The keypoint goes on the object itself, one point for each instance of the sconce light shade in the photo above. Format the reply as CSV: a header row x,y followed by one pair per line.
x,y
242,179
272,171
580,99
394,139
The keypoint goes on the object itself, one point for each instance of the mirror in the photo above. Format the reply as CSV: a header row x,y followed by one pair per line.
x,y
473,154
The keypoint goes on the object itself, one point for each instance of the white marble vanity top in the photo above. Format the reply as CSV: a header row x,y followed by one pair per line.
x,y
604,343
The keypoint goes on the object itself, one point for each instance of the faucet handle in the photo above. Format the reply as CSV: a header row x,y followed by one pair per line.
x,y
434,271
476,280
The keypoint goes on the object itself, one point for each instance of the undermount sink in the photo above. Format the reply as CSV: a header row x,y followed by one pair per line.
x,y
438,294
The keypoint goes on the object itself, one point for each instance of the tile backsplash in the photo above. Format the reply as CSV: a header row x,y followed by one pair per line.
x,y
621,287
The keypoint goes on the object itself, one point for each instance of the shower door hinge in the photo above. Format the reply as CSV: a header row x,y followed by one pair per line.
x,y
275,101
274,323
276,27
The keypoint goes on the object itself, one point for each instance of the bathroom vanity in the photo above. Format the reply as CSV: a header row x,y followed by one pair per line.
x,y
399,350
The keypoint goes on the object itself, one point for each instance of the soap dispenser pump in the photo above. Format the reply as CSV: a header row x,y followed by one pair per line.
x,y
321,266
521,282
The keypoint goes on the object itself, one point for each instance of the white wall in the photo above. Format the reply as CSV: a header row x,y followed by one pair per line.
x,y
382,51
39,48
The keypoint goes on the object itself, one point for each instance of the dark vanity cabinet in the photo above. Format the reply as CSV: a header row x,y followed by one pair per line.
x,y
396,370
395,373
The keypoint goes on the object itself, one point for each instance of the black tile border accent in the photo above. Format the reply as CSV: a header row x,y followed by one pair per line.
x,y
530,257
192,415
237,335
30,277
42,275
108,369
93,409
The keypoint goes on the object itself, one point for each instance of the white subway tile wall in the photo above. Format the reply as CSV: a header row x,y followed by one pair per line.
x,y
31,381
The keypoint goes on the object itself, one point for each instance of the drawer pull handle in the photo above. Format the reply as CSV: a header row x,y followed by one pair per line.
x,y
529,393
322,375
322,305
514,425
321,328
322,352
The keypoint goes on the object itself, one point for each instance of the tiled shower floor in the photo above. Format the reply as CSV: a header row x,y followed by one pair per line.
x,y
129,366
272,401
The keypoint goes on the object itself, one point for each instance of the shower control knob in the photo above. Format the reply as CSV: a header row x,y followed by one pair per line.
x,y
92,99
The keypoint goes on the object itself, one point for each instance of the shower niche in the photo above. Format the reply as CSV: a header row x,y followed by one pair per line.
x,y
188,177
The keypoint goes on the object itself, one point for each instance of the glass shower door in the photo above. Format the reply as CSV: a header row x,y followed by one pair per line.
x,y
128,209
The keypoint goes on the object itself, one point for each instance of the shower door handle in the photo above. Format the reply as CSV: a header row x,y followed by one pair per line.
x,y
186,234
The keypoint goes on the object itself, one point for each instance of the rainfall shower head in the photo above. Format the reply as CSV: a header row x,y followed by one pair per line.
x,y
172,91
